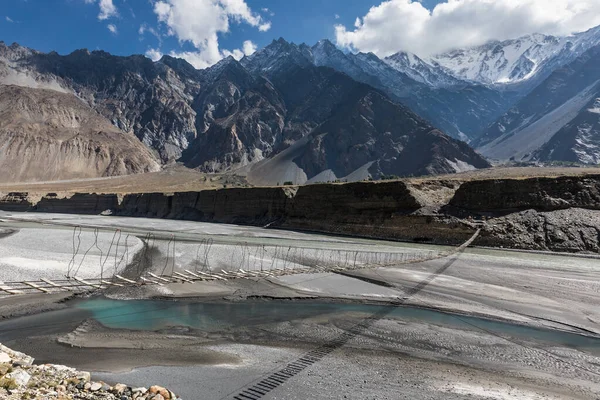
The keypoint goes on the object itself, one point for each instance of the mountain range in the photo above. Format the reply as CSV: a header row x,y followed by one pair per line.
x,y
299,113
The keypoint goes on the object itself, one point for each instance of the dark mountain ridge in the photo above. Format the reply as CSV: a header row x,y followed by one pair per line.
x,y
235,115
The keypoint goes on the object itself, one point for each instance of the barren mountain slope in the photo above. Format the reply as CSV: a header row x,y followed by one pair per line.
x,y
300,123
48,135
563,105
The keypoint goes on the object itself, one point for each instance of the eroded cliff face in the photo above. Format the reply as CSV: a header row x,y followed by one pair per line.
x,y
542,194
561,214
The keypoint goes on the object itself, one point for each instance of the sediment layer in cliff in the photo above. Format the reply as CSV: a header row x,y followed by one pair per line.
x,y
538,213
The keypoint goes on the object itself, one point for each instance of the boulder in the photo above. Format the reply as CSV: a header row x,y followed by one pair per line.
x,y
5,358
20,377
161,391
119,388
84,376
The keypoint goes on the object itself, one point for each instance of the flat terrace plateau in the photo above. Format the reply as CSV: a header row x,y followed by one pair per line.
x,y
512,173
482,324
178,178
171,179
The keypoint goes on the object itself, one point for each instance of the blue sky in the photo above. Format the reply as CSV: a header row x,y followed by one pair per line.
x,y
383,26
66,25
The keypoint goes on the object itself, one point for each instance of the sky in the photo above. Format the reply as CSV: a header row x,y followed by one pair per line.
x,y
205,31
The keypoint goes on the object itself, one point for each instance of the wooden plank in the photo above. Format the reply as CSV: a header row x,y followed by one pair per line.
x,y
183,277
206,276
11,291
158,277
192,274
111,283
33,285
232,273
214,276
119,277
49,282
87,283
149,281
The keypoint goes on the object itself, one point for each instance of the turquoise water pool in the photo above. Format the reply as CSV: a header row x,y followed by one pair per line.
x,y
156,315
153,315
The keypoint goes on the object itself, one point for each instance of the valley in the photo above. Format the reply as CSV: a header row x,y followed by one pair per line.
x,y
296,219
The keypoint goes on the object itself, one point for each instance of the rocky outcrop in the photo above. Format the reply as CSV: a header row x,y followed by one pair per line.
x,y
544,194
253,206
21,379
78,203
569,230
16,201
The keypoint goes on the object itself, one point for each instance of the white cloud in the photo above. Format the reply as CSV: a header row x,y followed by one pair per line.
x,y
154,54
337,16
235,53
264,27
9,19
145,28
112,28
200,22
107,10
407,25
249,47
267,11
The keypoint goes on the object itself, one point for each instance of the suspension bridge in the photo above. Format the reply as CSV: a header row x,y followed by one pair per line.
x,y
118,268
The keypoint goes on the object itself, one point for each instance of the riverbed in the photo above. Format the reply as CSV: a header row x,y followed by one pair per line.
x,y
478,325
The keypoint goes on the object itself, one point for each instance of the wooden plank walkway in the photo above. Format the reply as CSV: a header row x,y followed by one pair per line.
x,y
80,285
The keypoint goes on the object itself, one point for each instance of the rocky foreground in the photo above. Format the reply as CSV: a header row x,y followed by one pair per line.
x,y
21,379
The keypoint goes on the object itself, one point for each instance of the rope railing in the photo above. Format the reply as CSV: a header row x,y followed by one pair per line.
x,y
245,260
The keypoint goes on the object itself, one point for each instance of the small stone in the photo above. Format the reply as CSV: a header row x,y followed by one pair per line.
x,y
94,387
160,390
158,396
61,388
5,358
84,376
87,386
4,368
119,388
139,390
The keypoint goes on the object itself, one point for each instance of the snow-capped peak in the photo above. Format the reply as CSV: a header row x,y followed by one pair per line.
x,y
417,69
516,60
276,55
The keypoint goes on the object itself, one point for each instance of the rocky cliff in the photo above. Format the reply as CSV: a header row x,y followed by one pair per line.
x,y
560,214
542,194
